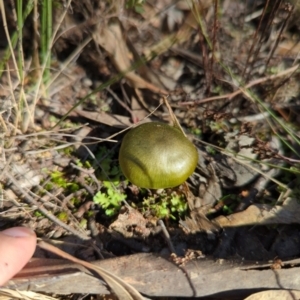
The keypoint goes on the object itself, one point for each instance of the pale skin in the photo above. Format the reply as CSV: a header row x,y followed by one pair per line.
x,y
17,246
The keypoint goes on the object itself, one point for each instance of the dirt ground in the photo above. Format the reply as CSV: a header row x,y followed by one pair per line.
x,y
229,70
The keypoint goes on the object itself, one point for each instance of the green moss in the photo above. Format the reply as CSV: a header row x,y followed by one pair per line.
x,y
68,151
166,206
83,223
38,214
84,164
75,201
210,150
58,178
196,131
63,216
48,186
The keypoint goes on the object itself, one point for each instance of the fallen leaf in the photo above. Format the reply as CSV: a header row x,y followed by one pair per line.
x,y
263,214
275,294
110,38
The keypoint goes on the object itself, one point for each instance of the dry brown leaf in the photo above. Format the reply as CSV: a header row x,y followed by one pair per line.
x,y
110,38
275,294
262,214
288,48
184,33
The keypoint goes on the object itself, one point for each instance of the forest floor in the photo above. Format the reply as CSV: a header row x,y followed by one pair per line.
x,y
229,70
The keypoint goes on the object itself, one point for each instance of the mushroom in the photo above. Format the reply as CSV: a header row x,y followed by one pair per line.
x,y
156,155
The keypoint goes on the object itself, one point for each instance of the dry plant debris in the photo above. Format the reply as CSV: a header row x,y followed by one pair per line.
x,y
70,88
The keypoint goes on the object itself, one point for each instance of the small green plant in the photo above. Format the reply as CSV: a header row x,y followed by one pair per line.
x,y
227,210
38,214
111,199
46,37
63,216
58,178
83,164
227,204
109,169
211,150
166,206
137,5
196,131
83,223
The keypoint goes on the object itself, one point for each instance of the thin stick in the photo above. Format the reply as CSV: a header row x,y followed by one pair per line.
x,y
166,236
44,211
241,90
173,116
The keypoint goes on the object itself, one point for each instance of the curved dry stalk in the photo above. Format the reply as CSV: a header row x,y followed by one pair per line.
x,y
123,290
241,90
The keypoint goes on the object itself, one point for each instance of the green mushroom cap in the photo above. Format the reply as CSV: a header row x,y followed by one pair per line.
x,y
156,155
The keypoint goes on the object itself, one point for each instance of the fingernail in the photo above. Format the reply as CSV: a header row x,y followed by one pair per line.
x,y
18,232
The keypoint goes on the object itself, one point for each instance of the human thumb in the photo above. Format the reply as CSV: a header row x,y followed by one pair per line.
x,y
17,246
